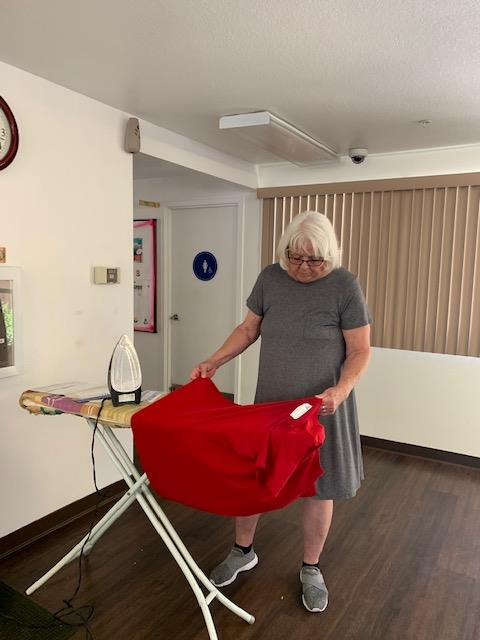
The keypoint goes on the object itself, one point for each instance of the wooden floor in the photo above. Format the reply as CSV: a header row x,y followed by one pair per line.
x,y
402,563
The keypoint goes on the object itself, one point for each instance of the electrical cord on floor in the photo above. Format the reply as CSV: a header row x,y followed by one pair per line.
x,y
83,613
68,609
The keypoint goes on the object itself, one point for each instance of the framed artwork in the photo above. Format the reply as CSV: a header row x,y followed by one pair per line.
x,y
10,315
144,275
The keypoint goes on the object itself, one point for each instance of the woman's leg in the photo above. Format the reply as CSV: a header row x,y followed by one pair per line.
x,y
239,559
317,517
245,527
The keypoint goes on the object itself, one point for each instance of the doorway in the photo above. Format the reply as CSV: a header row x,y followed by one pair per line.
x,y
202,300
162,190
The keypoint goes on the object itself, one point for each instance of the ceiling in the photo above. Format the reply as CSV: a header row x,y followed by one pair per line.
x,y
351,73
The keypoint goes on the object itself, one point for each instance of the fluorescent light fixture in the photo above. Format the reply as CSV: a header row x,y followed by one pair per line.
x,y
279,137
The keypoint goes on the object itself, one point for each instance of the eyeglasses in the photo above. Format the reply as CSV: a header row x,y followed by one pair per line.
x,y
294,258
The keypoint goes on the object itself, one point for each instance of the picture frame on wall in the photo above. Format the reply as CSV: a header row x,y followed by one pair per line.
x,y
10,322
144,275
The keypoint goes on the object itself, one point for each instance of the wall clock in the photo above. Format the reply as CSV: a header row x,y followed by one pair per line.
x,y
8,135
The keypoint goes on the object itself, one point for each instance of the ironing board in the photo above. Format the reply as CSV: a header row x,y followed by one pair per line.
x,y
37,402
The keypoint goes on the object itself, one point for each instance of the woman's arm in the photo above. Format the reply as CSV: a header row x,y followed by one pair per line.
x,y
241,337
357,356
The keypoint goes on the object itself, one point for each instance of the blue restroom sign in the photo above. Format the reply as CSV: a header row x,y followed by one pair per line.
x,y
205,265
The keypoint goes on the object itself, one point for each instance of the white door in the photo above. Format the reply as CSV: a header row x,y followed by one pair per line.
x,y
202,311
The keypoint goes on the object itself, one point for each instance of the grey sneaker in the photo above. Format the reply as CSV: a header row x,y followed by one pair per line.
x,y
236,561
314,590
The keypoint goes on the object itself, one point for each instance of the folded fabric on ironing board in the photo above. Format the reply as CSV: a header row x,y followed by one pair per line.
x,y
201,449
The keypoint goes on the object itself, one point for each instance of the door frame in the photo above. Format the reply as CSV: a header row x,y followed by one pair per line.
x,y
238,202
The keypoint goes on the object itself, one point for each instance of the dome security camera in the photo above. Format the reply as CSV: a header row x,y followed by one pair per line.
x,y
357,156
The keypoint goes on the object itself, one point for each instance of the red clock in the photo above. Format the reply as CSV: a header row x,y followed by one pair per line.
x,y
8,135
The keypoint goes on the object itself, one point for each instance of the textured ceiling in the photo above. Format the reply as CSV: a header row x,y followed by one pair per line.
x,y
348,72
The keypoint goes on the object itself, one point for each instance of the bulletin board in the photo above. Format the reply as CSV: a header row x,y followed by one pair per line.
x,y
144,275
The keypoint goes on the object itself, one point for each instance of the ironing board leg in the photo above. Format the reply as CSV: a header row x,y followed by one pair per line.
x,y
168,532
214,592
139,490
111,443
118,509
101,526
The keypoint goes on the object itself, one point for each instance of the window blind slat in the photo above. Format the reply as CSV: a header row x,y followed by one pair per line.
x,y
379,310
390,256
468,269
474,332
444,270
373,251
401,227
452,282
411,267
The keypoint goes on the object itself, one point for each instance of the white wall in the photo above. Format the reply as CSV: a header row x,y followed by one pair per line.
x,y
161,143
193,189
426,399
65,206
426,162
418,398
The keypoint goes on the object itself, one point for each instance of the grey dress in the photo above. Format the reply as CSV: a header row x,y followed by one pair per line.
x,y
302,352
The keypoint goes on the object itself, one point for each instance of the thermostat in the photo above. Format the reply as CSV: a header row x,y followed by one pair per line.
x,y
105,275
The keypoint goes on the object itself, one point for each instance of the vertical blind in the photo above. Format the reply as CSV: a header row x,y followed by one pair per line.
x,y
414,245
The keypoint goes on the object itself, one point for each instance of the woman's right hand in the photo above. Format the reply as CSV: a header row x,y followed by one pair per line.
x,y
205,369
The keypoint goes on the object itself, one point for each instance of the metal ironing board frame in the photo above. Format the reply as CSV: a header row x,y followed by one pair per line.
x,y
139,490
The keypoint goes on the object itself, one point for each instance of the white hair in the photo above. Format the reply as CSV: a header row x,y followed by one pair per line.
x,y
310,228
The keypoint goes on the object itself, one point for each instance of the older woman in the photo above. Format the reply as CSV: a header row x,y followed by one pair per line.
x,y
315,329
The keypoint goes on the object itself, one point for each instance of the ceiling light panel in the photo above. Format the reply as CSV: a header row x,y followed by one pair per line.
x,y
270,132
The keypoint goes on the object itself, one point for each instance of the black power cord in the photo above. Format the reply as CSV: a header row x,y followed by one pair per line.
x,y
68,609
84,613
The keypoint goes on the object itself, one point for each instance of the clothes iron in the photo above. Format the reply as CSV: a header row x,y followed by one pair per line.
x,y
125,374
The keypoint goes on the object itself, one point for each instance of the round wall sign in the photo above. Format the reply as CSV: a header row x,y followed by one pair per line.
x,y
205,265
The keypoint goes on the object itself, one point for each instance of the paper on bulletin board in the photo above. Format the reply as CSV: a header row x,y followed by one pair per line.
x,y
144,267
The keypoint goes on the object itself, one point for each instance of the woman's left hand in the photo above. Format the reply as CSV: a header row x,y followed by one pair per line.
x,y
331,399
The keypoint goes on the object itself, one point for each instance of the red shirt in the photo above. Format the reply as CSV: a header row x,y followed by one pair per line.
x,y
201,449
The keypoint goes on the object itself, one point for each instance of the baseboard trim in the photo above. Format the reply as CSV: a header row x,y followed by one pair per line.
x,y
37,530
422,452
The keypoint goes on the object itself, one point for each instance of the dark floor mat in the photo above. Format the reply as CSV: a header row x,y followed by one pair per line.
x,y
23,619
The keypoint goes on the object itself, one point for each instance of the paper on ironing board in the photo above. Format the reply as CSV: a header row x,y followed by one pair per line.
x,y
83,391
77,390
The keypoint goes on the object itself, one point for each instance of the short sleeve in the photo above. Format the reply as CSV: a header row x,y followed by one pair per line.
x,y
255,300
354,312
